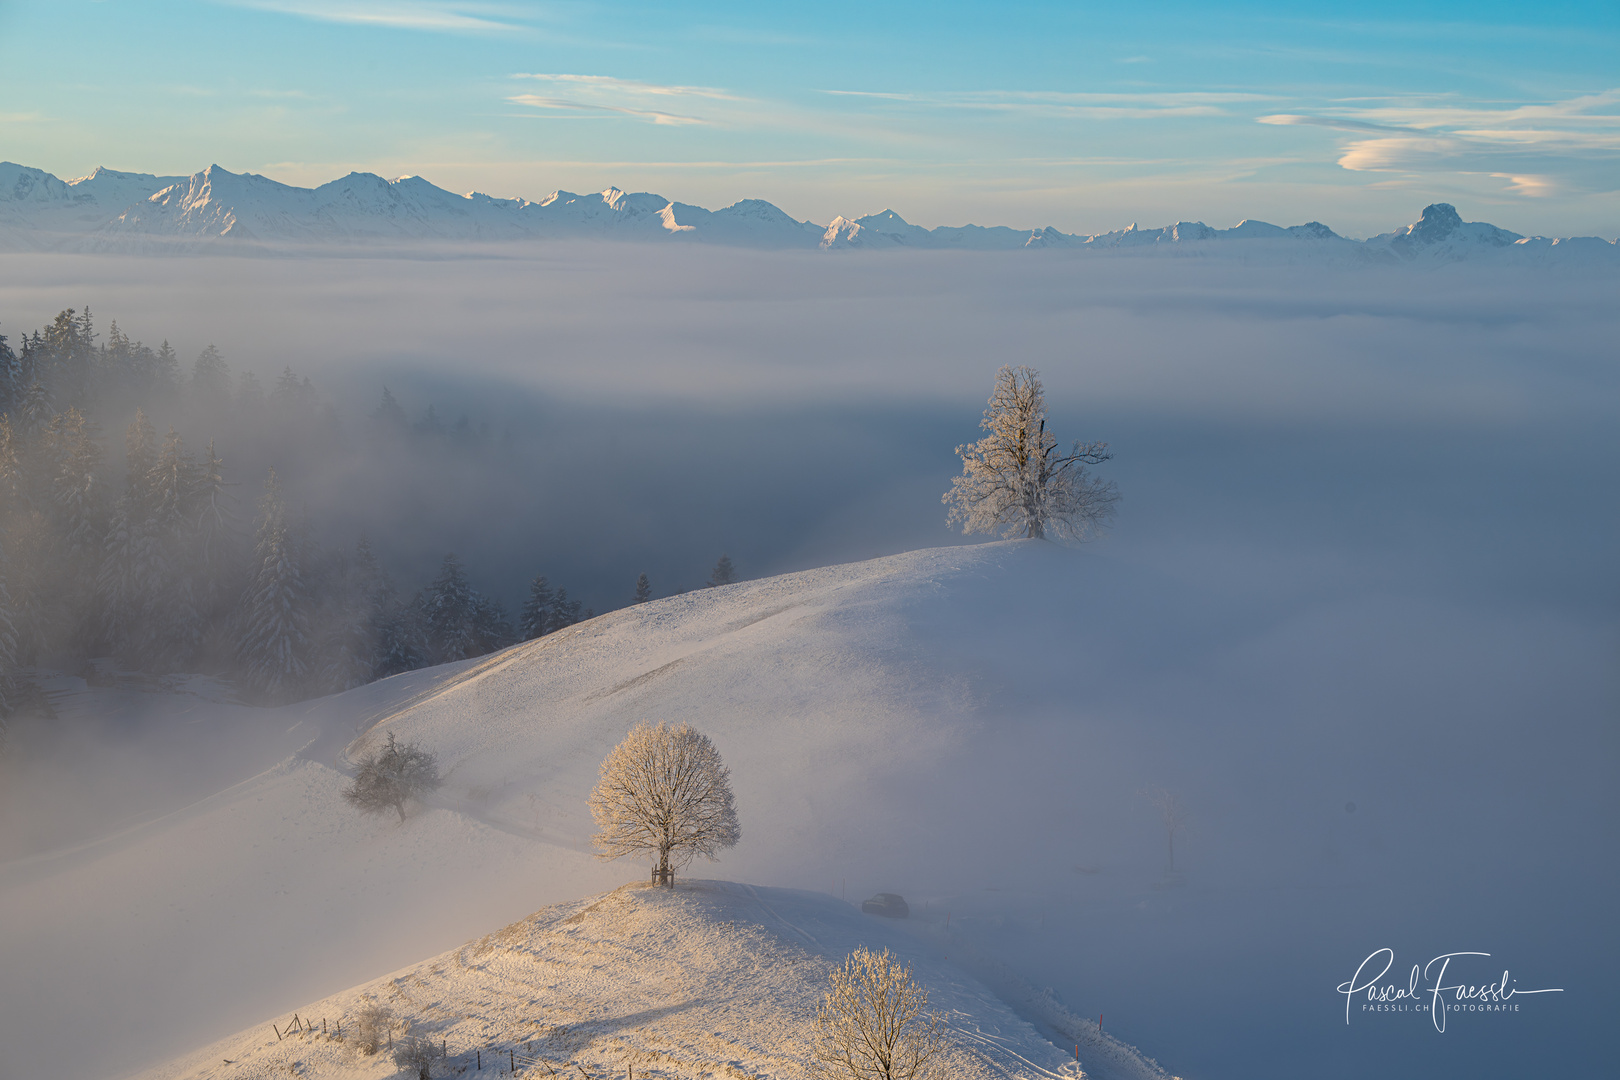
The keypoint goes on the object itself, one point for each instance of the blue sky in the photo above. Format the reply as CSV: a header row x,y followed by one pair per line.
x,y
1083,116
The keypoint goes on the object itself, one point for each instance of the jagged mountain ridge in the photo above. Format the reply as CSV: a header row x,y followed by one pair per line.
x,y
144,213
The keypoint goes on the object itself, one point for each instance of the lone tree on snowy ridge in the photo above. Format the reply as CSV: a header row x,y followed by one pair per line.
x,y
391,776
1014,480
871,1024
664,790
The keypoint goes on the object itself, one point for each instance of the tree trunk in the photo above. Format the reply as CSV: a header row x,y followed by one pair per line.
x,y
399,808
665,877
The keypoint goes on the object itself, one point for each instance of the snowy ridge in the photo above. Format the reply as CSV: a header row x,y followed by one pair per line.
x,y
219,210
716,978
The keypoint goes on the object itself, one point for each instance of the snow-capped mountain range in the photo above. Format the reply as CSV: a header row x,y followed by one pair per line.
x,y
217,210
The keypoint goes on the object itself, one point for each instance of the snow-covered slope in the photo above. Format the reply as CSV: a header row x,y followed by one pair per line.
x,y
971,727
712,979
822,689
33,201
137,212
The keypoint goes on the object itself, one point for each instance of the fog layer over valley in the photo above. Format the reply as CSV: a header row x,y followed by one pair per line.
x,y
1357,614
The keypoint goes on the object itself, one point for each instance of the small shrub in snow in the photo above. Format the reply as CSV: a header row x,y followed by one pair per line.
x,y
871,1024
387,779
664,790
371,1027
419,1054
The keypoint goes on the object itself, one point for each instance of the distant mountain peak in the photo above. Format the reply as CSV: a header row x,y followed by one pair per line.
x,y
111,210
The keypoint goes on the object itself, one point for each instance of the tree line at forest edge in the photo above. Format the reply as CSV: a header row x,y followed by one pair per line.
x,y
146,564
145,561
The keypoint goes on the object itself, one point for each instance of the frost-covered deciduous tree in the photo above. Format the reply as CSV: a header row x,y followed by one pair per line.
x,y
1172,813
274,645
1014,480
872,1023
664,791
391,777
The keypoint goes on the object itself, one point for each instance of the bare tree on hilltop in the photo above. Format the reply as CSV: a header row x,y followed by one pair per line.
x,y
664,790
1014,480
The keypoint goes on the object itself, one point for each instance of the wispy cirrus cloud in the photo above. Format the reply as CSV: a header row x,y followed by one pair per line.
x,y
607,95
610,84
1096,106
435,15
537,101
1537,148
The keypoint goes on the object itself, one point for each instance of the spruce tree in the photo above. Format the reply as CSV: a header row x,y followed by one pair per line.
x,y
10,507
131,563
211,377
492,630
174,623
77,483
273,648
643,589
388,418
213,551
348,645
447,609
166,369
564,612
11,384
724,572
535,620
401,637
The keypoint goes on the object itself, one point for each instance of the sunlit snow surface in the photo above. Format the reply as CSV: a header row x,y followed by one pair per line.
x,y
970,727
714,979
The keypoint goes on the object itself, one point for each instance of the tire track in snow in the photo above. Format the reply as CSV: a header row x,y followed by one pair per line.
x,y
772,912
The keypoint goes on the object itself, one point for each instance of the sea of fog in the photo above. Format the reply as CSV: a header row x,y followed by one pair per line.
x,y
1368,521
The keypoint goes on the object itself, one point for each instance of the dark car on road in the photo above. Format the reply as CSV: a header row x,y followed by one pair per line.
x,y
889,905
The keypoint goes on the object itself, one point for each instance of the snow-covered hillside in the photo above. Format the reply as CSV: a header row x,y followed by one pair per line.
x,y
217,210
820,688
712,979
970,727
